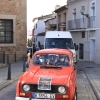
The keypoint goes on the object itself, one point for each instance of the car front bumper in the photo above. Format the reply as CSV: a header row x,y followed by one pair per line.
x,y
22,98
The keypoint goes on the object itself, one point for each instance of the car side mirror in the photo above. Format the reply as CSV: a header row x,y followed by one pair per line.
x,y
76,46
75,67
42,46
27,65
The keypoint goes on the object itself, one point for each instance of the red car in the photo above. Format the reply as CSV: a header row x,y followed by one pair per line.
x,y
51,76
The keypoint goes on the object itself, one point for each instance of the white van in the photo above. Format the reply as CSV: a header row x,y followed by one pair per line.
x,y
60,39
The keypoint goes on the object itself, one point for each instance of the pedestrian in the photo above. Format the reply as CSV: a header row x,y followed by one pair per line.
x,y
29,57
34,49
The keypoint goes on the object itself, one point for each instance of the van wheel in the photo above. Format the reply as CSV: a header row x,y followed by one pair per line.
x,y
75,96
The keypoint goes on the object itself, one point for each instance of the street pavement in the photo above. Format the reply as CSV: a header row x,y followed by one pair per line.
x,y
92,71
84,89
16,71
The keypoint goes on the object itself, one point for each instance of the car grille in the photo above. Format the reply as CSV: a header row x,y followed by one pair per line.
x,y
54,89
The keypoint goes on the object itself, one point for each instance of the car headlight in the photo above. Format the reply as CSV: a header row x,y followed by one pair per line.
x,y
61,89
26,87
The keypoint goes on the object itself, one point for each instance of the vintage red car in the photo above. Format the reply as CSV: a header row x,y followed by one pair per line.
x,y
50,76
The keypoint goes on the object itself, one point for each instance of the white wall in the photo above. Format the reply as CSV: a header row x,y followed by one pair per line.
x,y
40,26
41,39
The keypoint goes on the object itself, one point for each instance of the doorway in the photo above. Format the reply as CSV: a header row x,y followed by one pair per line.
x,y
81,51
92,49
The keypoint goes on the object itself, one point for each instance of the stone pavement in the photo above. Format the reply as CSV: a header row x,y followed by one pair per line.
x,y
92,70
16,71
85,91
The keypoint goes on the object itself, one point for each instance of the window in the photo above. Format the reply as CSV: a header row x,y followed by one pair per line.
x,y
52,59
65,17
63,43
93,8
59,23
74,14
83,34
36,26
64,29
83,10
6,31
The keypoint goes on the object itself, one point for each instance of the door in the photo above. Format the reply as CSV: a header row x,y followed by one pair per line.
x,y
92,49
81,51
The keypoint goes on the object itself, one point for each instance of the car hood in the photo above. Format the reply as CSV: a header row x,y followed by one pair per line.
x,y
58,76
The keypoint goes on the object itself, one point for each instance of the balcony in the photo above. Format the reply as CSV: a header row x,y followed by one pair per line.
x,y
77,24
91,22
82,23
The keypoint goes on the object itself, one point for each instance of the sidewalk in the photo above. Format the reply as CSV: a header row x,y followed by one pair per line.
x,y
93,72
16,71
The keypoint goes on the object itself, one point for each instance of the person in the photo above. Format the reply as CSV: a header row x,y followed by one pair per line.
x,y
42,59
59,61
34,48
29,56
67,61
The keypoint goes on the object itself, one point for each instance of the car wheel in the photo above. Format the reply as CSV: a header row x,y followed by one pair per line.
x,y
75,96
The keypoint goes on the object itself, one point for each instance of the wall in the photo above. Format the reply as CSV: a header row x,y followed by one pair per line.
x,y
16,10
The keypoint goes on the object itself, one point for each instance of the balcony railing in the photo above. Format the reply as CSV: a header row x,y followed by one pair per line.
x,y
77,24
91,22
82,23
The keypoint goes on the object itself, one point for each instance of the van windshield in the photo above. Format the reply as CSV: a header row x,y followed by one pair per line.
x,y
63,43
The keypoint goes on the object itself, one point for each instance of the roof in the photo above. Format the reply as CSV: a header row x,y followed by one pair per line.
x,y
55,51
35,19
41,34
60,9
58,34
46,16
43,17
49,19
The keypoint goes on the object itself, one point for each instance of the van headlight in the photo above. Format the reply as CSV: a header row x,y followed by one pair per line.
x,y
26,87
62,89
74,57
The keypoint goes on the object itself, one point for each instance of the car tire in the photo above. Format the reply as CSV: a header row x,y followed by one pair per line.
x,y
75,96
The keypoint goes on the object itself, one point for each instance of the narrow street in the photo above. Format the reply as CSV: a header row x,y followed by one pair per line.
x,y
86,84
8,93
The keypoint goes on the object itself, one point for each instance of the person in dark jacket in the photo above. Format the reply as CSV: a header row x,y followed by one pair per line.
x,y
34,48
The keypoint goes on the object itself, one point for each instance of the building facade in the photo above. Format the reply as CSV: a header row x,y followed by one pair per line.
x,y
13,28
84,24
61,18
51,24
39,29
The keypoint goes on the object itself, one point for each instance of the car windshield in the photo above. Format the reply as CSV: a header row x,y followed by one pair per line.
x,y
63,43
52,59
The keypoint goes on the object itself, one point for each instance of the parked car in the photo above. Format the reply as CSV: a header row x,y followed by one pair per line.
x,y
51,76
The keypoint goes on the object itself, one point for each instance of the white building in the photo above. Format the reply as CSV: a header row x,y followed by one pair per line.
x,y
84,23
39,29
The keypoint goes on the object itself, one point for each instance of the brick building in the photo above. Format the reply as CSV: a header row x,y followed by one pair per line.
x,y
13,28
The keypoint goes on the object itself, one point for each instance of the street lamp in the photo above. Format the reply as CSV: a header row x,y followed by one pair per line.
x,y
82,12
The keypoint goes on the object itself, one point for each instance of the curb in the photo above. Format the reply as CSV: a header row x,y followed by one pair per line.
x,y
3,65
9,82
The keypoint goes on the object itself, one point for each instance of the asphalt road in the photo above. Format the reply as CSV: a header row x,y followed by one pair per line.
x,y
8,93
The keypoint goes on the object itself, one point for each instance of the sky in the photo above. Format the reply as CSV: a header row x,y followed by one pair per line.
x,y
36,8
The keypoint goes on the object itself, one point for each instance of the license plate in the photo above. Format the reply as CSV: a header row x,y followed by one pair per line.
x,y
43,95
